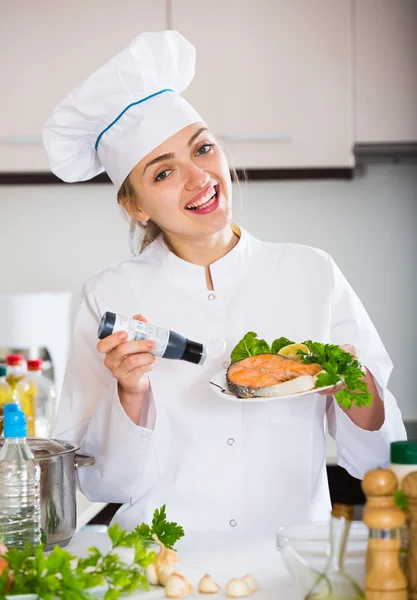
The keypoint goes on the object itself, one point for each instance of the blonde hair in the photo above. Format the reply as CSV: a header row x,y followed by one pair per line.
x,y
150,231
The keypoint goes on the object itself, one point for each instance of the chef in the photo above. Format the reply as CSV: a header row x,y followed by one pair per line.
x,y
158,432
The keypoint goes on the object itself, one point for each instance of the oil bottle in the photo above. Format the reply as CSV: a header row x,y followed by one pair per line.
x,y
37,397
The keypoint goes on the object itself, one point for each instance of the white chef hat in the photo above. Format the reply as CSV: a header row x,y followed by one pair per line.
x,y
123,111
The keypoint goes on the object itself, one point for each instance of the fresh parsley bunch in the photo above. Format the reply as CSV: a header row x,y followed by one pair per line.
x,y
62,575
339,366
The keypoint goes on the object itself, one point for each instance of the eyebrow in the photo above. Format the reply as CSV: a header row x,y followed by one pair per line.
x,y
170,154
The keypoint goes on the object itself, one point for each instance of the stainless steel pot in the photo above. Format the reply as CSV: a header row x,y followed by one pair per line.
x,y
58,462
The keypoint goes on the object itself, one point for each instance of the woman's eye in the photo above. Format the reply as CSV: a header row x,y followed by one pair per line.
x,y
205,149
162,175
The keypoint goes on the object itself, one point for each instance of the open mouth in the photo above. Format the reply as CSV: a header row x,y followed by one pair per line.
x,y
205,202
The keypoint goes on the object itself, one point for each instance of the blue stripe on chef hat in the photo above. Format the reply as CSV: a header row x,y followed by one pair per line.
x,y
127,108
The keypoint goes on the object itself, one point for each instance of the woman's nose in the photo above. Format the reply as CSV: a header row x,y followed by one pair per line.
x,y
196,178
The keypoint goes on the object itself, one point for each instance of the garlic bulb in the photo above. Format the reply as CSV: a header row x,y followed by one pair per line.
x,y
208,586
251,581
151,574
177,586
237,588
163,566
165,570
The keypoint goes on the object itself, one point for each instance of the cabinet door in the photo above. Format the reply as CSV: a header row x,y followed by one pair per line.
x,y
386,71
273,78
49,47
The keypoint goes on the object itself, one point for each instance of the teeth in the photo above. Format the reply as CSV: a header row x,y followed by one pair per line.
x,y
204,200
209,203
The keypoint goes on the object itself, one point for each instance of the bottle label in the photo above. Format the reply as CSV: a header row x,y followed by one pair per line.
x,y
136,330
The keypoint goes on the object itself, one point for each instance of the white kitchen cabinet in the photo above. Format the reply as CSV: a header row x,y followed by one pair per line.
x,y
386,71
49,47
273,79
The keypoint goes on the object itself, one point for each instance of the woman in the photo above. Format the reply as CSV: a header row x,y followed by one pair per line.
x,y
157,431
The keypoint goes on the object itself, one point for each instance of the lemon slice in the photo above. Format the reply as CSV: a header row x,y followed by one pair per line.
x,y
291,350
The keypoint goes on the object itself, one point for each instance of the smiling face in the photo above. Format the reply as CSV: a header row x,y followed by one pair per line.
x,y
184,185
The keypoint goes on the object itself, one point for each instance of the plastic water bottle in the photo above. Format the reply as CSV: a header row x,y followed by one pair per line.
x,y
20,508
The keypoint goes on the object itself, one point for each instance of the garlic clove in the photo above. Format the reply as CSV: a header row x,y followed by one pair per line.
x,y
165,554
165,570
177,586
164,561
208,586
251,581
237,588
151,575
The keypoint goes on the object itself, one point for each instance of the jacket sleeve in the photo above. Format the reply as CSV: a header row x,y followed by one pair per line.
x,y
90,414
359,450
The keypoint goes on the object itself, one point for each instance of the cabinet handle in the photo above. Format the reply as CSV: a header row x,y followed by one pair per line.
x,y
258,138
24,140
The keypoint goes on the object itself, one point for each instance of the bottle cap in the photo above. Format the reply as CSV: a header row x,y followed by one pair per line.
x,y
194,353
35,365
15,425
14,359
3,370
404,453
106,325
340,511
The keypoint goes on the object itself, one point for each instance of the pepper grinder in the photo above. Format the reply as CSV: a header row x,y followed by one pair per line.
x,y
378,486
384,578
410,492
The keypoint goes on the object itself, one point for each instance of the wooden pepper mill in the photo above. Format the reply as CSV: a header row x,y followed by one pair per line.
x,y
410,492
378,486
385,579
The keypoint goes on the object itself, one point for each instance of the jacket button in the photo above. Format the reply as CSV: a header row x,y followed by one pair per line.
x,y
232,523
211,297
230,441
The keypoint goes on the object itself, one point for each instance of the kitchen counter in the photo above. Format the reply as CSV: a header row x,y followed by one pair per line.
x,y
222,555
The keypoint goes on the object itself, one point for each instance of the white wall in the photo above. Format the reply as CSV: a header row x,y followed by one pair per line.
x,y
54,237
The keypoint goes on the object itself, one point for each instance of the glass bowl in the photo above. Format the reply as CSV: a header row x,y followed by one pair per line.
x,y
310,542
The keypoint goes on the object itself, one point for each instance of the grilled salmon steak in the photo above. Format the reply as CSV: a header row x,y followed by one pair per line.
x,y
270,375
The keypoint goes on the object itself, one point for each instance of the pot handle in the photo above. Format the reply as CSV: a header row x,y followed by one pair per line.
x,y
83,460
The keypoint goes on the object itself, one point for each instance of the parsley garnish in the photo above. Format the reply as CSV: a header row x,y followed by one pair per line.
x,y
401,500
340,367
168,533
62,575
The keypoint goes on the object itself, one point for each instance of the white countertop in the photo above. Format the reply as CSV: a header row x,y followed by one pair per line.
x,y
223,555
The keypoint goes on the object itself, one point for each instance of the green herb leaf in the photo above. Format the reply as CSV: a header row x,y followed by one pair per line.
x,y
115,534
249,345
340,367
401,500
280,343
168,533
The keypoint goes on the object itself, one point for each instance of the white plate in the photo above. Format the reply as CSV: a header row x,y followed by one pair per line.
x,y
219,387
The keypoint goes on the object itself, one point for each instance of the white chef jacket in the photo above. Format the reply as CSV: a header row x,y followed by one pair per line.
x,y
218,464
